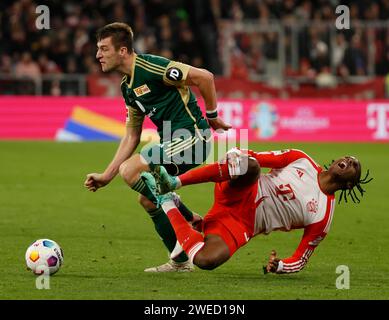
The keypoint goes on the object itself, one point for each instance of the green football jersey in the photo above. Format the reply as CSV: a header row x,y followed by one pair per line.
x,y
155,88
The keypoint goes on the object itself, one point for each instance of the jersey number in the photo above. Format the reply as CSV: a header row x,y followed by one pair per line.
x,y
286,192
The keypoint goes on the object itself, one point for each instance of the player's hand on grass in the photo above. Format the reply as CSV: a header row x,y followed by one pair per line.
x,y
218,123
272,265
95,181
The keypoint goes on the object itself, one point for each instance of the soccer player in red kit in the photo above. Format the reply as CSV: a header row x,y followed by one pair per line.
x,y
296,193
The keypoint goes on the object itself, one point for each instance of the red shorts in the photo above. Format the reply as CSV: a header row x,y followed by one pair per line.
x,y
232,215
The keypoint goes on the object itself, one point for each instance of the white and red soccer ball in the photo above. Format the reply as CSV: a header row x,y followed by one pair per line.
x,y
44,256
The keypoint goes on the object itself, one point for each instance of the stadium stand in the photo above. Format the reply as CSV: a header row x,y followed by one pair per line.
x,y
290,46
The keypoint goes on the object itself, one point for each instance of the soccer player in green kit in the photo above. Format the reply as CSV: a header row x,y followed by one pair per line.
x,y
157,87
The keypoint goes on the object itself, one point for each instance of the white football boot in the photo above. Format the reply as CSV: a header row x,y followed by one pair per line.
x,y
172,266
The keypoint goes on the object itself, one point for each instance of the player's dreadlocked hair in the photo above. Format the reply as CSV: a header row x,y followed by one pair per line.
x,y
326,167
351,192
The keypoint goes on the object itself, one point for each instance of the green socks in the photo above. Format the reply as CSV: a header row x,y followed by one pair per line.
x,y
161,221
166,232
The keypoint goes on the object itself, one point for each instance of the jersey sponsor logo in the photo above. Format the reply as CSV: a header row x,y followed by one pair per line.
x,y
285,192
140,91
312,206
299,172
174,74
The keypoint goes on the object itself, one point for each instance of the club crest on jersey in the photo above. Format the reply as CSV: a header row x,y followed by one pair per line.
x,y
312,206
140,91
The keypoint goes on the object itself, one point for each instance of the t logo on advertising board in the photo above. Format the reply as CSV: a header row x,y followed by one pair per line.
x,y
377,118
232,113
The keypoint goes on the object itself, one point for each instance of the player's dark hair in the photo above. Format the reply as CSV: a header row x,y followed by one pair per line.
x,y
121,33
351,192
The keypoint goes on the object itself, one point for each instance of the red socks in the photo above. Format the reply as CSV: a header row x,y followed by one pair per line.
x,y
190,240
215,172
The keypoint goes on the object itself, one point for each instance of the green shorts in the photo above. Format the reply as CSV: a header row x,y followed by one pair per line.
x,y
179,154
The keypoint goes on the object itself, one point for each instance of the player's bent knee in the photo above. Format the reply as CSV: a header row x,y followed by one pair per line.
x,y
128,172
253,169
130,169
123,170
251,175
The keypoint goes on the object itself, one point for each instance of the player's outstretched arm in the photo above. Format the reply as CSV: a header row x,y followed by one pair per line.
x,y
126,148
277,159
204,80
313,235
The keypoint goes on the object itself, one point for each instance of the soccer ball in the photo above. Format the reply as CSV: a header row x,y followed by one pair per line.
x,y
44,256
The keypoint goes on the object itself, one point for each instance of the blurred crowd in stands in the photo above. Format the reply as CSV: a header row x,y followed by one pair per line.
x,y
191,31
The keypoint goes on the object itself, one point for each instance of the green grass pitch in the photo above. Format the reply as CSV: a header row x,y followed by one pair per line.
x,y
108,239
